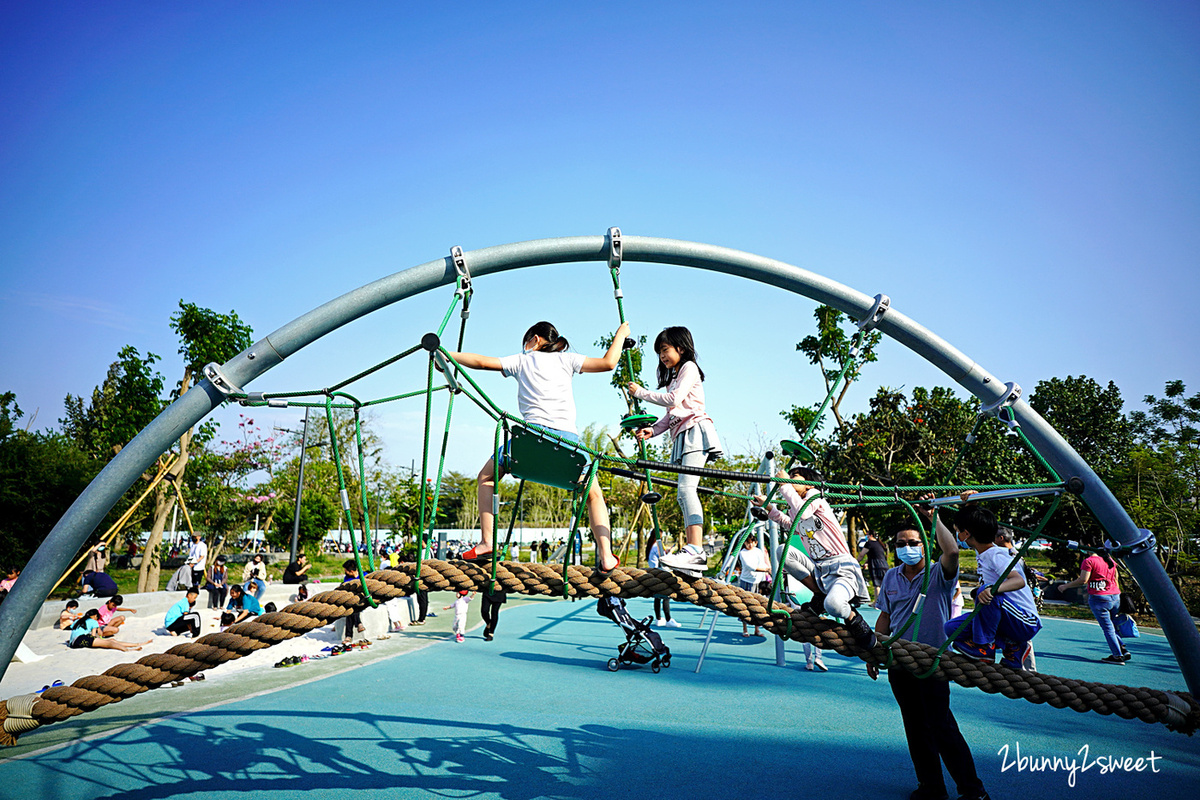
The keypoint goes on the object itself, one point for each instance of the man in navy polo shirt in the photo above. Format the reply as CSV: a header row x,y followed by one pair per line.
x,y
929,725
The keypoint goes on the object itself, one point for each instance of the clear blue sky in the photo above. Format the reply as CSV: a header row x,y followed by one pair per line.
x,y
1024,179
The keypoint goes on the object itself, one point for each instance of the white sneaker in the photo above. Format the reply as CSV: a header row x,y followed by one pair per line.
x,y
686,562
821,665
673,624
660,623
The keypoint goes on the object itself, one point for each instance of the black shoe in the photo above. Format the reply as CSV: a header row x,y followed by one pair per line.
x,y
1113,660
921,793
980,795
864,637
816,604
1125,654
487,637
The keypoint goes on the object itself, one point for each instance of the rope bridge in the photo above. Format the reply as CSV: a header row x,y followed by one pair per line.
x,y
1176,710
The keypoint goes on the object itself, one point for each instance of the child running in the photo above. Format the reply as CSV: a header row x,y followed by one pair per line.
x,y
829,571
1007,618
544,370
694,440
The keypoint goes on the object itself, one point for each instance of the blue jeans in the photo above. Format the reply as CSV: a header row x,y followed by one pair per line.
x,y
996,623
1105,607
255,586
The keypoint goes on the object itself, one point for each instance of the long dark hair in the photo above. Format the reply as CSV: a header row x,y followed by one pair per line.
x,y
650,541
91,613
553,343
680,338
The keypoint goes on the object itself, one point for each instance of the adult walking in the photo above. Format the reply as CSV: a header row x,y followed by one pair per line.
x,y
490,609
1099,573
929,724
876,556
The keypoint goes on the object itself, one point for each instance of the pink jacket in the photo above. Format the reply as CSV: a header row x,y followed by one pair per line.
x,y
684,399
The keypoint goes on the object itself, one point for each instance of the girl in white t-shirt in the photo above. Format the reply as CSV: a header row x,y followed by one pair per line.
x,y
544,370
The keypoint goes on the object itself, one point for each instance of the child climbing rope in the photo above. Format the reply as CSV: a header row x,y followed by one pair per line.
x,y
694,440
544,370
831,574
1008,617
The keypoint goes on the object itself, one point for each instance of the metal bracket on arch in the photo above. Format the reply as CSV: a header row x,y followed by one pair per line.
x,y
881,306
464,274
614,258
212,371
1012,393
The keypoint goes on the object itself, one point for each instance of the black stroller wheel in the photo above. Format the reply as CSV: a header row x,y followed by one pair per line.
x,y
655,666
666,662
613,665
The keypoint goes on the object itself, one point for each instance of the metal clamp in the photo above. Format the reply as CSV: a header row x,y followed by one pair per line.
x,y
1145,543
614,248
444,368
882,304
460,266
212,371
1012,393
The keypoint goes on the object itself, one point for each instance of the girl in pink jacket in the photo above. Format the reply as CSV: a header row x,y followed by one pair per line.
x,y
694,439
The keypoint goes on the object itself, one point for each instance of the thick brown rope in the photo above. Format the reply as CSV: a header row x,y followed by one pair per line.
x,y
1178,711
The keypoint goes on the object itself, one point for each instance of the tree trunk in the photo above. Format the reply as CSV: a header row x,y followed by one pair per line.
x,y
164,501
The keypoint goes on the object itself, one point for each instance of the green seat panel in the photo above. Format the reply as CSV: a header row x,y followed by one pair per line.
x,y
533,457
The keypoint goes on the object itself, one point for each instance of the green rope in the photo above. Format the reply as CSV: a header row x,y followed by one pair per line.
x,y
337,459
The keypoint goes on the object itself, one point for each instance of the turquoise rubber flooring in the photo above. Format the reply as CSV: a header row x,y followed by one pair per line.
x,y
536,714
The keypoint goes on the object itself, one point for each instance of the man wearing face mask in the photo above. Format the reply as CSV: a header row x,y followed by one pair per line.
x,y
929,725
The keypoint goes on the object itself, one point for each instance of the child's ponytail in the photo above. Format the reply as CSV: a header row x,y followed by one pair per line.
x,y
551,341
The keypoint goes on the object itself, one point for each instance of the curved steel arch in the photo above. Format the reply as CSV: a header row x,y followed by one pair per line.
x,y
89,509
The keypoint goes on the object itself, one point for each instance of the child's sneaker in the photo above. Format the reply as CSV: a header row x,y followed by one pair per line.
x,y
660,623
685,561
1014,654
979,652
673,624
860,629
459,638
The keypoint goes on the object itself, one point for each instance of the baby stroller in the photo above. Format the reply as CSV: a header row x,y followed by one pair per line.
x,y
642,645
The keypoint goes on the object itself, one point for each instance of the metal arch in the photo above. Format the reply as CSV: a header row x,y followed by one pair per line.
x,y
88,510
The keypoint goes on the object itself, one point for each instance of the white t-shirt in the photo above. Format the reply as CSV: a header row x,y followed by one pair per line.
x,y
544,394
198,555
752,560
991,566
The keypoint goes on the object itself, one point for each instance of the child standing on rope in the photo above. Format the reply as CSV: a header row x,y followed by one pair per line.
x,y
823,563
544,370
1008,617
694,440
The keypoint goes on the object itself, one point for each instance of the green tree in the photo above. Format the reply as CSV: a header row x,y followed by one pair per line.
x,y
317,517
204,336
41,474
830,350
128,400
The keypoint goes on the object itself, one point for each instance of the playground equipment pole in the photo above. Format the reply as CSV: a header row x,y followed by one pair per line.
x,y
89,509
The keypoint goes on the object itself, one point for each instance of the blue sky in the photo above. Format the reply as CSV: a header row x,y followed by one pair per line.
x,y
1023,179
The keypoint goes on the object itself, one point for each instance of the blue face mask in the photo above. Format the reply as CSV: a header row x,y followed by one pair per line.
x,y
910,555
963,545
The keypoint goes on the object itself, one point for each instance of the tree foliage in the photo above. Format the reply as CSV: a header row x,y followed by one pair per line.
x,y
126,402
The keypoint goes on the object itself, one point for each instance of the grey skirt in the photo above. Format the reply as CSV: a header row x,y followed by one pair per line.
x,y
700,438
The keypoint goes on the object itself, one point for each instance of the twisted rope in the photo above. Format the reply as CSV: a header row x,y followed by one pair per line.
x,y
1178,711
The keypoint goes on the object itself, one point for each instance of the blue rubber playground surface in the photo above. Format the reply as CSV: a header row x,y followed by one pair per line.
x,y
536,714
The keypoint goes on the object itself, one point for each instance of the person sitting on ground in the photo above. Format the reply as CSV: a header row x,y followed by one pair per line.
x,y
297,571
84,634
1008,617
876,556
243,605
69,616
99,584
354,621
254,576
110,619
827,570
182,617
929,724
